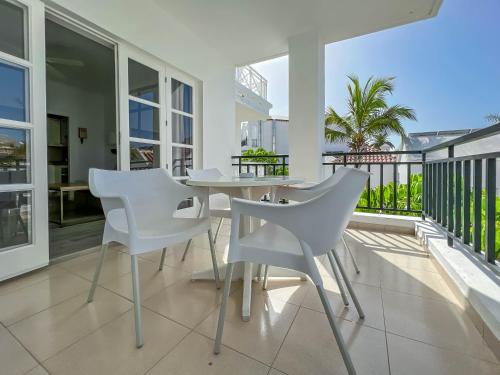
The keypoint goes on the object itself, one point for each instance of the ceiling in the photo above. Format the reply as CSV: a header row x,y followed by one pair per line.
x,y
246,31
97,65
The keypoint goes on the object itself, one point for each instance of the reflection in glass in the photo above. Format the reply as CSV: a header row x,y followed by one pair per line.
x,y
144,121
13,92
142,81
15,219
12,29
182,96
182,158
182,129
14,156
144,156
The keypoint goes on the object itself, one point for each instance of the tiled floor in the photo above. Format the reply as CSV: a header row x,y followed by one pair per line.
x,y
413,324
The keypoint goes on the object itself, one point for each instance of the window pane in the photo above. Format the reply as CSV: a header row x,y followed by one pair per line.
x,y
182,158
14,156
12,29
144,121
144,156
142,81
182,96
13,104
15,219
182,129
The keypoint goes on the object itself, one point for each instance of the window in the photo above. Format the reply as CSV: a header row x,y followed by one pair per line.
x,y
182,158
15,218
144,156
12,30
13,92
144,121
15,165
143,82
182,128
182,96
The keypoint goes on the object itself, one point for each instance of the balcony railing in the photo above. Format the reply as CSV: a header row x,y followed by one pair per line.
x,y
250,78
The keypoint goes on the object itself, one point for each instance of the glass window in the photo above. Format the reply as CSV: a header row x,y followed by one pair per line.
x,y
15,218
13,91
182,129
144,156
182,158
143,81
144,121
14,156
182,96
12,29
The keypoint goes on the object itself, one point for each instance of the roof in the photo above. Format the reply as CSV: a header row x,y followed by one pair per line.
x,y
362,159
420,141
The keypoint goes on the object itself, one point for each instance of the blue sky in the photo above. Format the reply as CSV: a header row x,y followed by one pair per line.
x,y
447,68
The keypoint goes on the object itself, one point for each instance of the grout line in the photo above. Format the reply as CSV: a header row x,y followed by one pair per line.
x,y
385,335
284,338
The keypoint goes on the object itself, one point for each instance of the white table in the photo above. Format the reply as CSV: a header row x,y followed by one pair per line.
x,y
252,189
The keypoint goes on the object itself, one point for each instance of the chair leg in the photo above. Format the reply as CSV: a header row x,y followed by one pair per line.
x,y
348,284
351,254
339,280
218,229
222,312
104,248
162,260
266,272
186,250
139,339
336,332
214,259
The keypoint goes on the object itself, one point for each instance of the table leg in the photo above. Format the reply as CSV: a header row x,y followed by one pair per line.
x,y
245,228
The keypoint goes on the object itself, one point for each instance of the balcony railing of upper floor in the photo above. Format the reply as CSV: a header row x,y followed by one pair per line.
x,y
453,184
253,80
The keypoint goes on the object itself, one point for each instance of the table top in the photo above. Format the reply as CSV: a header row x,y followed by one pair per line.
x,y
68,187
243,182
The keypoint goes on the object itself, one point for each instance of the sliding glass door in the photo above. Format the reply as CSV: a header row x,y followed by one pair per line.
x,y
23,173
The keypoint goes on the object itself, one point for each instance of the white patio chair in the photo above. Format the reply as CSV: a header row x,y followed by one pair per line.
x,y
292,237
219,202
302,194
139,207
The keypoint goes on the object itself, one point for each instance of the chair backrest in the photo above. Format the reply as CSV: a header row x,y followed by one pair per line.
x,y
330,181
204,174
326,216
153,194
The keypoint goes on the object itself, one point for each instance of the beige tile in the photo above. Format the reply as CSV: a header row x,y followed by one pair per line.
x,y
38,370
369,275
259,338
24,302
369,297
111,349
492,342
412,357
434,322
285,290
197,259
30,279
14,359
194,355
310,347
187,302
115,265
52,330
152,280
276,372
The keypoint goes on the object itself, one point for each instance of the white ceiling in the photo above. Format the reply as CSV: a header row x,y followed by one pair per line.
x,y
247,31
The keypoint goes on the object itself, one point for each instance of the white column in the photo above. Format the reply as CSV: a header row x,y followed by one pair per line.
x,y
306,105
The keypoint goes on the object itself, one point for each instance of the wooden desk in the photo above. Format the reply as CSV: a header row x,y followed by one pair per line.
x,y
66,188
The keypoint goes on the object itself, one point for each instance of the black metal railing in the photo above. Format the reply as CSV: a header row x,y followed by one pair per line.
x,y
261,165
460,191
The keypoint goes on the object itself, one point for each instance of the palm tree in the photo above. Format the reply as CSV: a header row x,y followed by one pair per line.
x,y
493,118
369,116
380,140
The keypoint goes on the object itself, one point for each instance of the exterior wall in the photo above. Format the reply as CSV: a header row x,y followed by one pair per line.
x,y
270,134
149,27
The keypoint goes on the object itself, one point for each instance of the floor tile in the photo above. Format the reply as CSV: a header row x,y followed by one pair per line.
x,y
187,302
152,280
39,370
111,349
434,322
197,259
14,359
52,330
276,372
30,279
285,290
259,338
194,355
409,357
24,302
310,347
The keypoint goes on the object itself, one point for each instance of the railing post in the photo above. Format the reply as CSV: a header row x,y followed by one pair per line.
x,y
239,164
450,195
381,187
368,188
441,193
443,190
425,191
490,209
477,214
284,164
466,193
458,198
395,186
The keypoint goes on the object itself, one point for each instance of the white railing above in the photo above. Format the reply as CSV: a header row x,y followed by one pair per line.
x,y
250,78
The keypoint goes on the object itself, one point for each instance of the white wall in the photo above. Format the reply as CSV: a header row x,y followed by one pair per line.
x,y
88,110
149,27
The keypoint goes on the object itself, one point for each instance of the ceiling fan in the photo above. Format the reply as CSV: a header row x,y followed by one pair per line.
x,y
51,61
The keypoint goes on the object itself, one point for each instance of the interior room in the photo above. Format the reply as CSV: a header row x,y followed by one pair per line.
x,y
81,133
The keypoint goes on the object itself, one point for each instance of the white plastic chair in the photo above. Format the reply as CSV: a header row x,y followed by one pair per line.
x,y
139,207
219,202
292,237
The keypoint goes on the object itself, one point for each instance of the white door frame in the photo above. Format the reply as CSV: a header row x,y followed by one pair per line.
x,y
21,259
